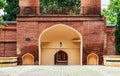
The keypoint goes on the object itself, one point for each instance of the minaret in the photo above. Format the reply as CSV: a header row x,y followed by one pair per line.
x,y
90,7
29,7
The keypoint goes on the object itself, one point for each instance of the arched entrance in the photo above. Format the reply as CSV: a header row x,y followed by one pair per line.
x,y
60,37
61,58
28,59
92,59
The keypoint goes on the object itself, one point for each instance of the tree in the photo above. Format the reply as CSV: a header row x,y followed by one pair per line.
x,y
2,5
10,13
111,12
117,35
60,6
11,10
60,2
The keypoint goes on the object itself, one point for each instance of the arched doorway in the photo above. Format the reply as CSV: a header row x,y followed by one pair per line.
x,y
28,59
92,59
60,37
61,58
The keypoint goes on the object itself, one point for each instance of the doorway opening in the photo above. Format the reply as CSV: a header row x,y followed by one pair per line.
x,y
61,58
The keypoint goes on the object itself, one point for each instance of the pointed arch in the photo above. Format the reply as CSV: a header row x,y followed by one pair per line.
x,y
63,26
61,58
92,59
28,59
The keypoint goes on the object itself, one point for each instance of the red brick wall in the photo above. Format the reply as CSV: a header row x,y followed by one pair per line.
x,y
27,30
110,40
91,29
2,52
92,32
8,40
97,38
90,7
31,5
10,49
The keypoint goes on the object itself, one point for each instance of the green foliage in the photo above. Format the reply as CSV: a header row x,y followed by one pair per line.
x,y
60,3
11,10
2,5
111,19
117,35
75,10
111,12
60,6
2,22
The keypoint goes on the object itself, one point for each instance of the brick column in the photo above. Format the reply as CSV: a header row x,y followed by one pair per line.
x,y
29,7
91,7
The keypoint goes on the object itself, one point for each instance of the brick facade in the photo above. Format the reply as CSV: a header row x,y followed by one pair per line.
x,y
90,7
97,38
110,40
8,40
23,36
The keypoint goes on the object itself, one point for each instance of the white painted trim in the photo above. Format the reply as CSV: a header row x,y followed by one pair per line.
x,y
81,44
95,55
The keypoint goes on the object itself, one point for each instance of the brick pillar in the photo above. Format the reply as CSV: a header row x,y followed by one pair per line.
x,y
91,7
29,7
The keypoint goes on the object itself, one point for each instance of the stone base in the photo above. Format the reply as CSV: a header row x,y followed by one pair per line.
x,y
112,60
8,61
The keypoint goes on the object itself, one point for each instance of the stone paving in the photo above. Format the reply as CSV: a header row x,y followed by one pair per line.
x,y
60,71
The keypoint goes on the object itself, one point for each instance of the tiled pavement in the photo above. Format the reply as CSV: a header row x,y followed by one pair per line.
x,y
60,71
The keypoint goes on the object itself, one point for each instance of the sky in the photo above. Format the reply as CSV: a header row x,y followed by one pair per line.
x,y
104,4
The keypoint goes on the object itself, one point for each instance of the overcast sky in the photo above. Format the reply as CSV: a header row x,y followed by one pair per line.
x,y
104,3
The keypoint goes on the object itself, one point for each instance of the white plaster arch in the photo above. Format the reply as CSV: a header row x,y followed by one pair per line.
x,y
66,26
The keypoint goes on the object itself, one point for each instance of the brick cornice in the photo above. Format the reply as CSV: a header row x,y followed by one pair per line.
x,y
63,18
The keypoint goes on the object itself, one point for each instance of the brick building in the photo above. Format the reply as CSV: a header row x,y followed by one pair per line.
x,y
57,39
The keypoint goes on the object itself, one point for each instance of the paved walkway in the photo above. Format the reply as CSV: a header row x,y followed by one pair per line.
x,y
60,71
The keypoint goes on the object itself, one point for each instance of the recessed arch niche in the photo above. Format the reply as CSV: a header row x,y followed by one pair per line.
x,y
60,37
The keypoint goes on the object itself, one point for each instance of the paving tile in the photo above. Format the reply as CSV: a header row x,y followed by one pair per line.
x,y
60,71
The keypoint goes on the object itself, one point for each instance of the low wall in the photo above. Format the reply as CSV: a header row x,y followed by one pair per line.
x,y
112,60
8,61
